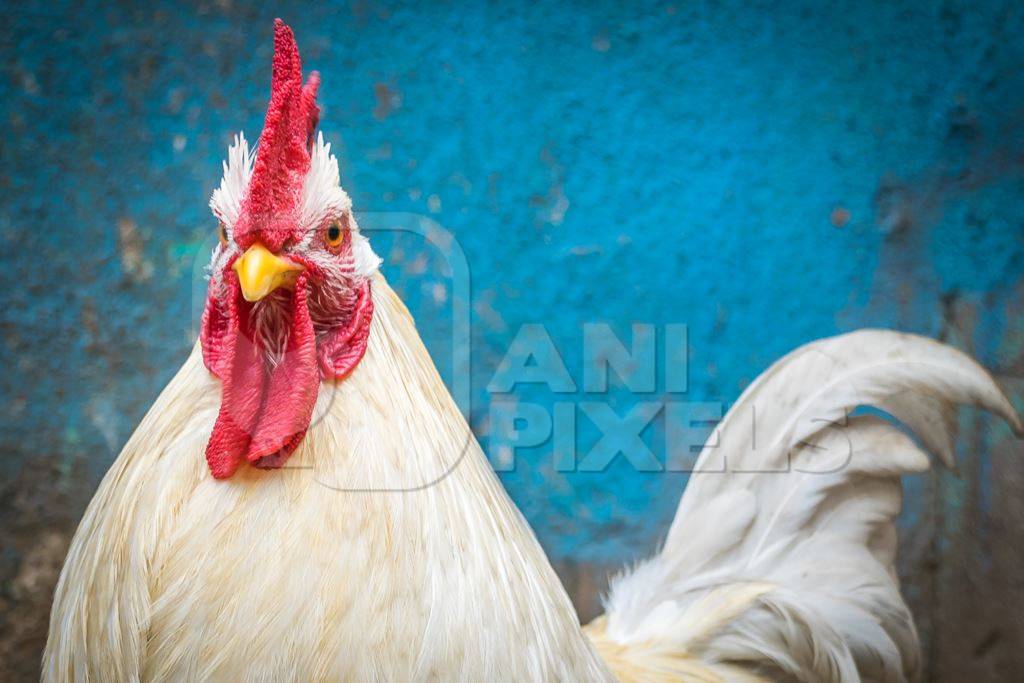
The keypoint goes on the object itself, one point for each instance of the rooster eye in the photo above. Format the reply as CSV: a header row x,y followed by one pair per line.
x,y
222,233
335,234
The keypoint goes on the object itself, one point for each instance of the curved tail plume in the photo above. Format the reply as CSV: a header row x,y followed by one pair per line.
x,y
780,560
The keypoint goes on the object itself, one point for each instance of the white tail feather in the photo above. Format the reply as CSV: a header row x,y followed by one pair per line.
x,y
782,561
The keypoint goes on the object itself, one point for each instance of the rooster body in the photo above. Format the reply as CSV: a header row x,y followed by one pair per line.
x,y
308,573
304,501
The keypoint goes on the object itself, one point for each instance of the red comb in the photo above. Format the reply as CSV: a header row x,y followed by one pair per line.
x,y
270,209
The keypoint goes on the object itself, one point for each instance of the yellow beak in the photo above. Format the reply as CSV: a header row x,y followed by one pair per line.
x,y
260,272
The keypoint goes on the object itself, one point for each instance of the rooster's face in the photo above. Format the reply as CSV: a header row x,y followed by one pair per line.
x,y
289,303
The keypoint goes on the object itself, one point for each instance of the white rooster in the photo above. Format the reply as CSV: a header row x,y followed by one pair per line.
x,y
245,533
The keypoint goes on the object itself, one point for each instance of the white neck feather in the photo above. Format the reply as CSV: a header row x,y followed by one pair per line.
x,y
393,445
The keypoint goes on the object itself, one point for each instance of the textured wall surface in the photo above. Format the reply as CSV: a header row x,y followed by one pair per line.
x,y
765,173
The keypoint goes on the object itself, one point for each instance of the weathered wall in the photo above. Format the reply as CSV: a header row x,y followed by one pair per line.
x,y
766,173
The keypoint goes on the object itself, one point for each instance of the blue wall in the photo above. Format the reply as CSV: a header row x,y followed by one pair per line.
x,y
765,173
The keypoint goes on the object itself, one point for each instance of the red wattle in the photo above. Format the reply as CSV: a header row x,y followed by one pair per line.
x,y
265,408
239,364
342,349
289,393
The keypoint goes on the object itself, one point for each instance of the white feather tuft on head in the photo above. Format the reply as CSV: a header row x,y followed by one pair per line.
x,y
226,201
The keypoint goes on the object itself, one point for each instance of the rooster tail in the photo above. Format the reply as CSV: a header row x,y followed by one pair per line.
x,y
780,560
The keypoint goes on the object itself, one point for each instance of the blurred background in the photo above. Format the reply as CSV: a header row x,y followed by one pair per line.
x,y
764,172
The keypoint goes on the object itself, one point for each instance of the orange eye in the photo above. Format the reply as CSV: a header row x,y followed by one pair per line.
x,y
335,234
222,233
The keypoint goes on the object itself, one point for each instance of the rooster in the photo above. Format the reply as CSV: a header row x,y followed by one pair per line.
x,y
304,501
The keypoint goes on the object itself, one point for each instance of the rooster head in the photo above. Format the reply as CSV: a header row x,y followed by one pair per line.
x,y
289,301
